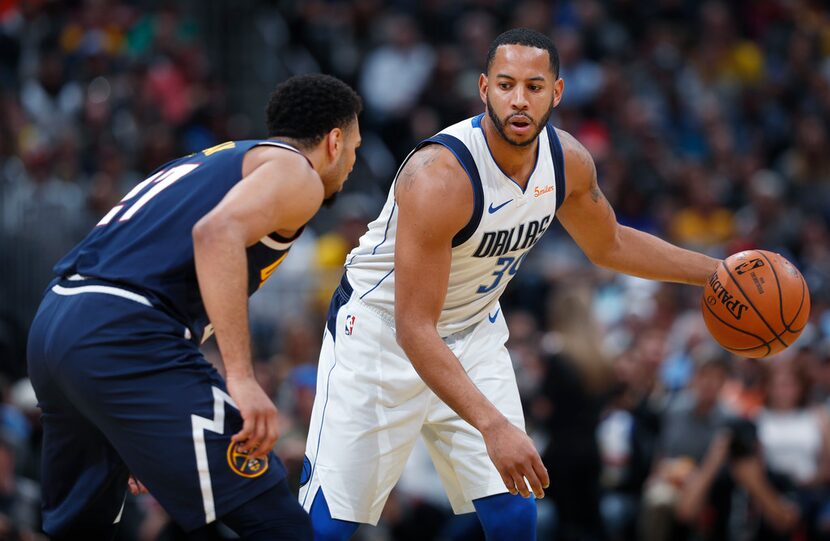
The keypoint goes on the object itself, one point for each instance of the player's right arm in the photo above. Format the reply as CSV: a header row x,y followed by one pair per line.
x,y
435,201
589,219
280,192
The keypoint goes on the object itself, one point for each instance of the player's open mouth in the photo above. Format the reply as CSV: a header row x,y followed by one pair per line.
x,y
520,125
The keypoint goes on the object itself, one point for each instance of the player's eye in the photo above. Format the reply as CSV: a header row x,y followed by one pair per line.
x,y
504,86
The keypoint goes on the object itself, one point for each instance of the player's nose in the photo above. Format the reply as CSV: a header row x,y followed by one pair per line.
x,y
519,99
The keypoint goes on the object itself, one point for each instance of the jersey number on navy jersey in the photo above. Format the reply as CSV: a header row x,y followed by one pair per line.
x,y
161,180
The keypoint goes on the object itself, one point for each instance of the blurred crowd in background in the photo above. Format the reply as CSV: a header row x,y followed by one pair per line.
x,y
708,121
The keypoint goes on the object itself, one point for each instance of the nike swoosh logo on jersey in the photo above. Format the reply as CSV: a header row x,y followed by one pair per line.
x,y
496,315
493,209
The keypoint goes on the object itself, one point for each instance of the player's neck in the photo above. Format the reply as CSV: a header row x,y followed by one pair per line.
x,y
516,162
317,156
314,154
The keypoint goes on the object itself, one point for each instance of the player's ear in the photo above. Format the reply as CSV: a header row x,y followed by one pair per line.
x,y
558,88
482,88
334,142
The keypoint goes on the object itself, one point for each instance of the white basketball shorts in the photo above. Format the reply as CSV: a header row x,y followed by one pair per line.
x,y
371,406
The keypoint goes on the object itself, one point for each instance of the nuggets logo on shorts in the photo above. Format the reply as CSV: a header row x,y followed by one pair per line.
x,y
243,465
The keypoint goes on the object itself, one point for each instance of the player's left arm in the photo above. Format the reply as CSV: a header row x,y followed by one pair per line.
x,y
590,221
280,194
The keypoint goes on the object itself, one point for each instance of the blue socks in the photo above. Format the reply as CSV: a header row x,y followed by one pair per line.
x,y
507,518
325,527
504,517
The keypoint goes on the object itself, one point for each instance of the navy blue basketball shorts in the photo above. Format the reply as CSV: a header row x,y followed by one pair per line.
x,y
123,392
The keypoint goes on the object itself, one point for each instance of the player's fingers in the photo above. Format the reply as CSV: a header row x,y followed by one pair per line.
x,y
519,482
507,479
535,484
136,487
254,444
265,447
265,428
541,471
244,435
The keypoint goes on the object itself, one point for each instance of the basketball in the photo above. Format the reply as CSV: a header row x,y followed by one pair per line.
x,y
756,304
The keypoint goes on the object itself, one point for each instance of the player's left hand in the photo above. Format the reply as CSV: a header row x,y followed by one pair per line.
x,y
516,459
260,428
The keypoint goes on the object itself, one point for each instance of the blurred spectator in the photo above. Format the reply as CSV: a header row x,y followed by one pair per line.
x,y
744,392
689,427
584,77
705,224
709,123
576,383
795,437
19,497
703,505
689,491
628,434
394,75
51,100
820,364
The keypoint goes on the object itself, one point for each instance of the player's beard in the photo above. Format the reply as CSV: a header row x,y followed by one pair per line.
x,y
340,166
329,201
499,124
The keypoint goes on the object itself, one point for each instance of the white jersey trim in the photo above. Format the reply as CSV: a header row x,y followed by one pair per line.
x,y
286,146
108,290
275,245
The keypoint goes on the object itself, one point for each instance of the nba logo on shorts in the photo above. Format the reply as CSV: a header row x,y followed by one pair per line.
x,y
349,324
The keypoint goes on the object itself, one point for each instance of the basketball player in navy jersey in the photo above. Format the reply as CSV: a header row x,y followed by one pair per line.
x,y
415,337
114,348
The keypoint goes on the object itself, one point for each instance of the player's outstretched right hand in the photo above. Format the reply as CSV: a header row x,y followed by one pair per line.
x,y
259,415
516,459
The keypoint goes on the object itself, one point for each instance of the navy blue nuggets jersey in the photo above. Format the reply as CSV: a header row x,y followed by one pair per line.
x,y
114,359
145,242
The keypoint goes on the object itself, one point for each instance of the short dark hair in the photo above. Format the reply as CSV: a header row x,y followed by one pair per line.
x,y
529,38
305,108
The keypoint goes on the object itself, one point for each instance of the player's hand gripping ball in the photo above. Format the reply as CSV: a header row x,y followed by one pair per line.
x,y
756,304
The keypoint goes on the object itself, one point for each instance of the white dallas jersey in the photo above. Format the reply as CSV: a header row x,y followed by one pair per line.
x,y
506,222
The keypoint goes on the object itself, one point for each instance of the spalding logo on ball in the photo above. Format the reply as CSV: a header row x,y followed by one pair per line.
x,y
756,303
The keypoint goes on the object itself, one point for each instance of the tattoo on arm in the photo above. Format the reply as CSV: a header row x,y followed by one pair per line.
x,y
596,194
587,165
421,159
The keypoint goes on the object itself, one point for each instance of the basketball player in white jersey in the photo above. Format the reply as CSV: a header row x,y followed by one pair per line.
x,y
415,336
